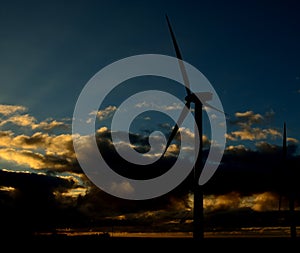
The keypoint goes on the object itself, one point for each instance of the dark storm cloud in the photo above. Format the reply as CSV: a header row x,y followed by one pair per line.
x,y
252,171
31,204
123,167
244,176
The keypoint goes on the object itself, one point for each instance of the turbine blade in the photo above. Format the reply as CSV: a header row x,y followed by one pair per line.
x,y
178,53
180,60
181,118
214,108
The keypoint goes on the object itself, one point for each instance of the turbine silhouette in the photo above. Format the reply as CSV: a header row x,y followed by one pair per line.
x,y
284,158
288,175
198,215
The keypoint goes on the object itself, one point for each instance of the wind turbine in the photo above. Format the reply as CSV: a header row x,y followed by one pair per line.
x,y
284,158
198,214
289,177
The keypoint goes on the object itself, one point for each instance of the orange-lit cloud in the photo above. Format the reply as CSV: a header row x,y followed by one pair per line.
x,y
7,188
39,150
220,202
71,193
51,144
33,160
26,120
253,134
20,120
236,149
249,116
265,201
45,125
11,109
247,131
103,114
292,140
54,152
170,107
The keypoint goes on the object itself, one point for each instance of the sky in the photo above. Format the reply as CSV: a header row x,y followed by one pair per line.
x,y
248,50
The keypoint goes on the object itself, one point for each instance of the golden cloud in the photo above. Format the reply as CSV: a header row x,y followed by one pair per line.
x,y
11,109
29,158
265,201
60,145
250,116
171,107
253,134
20,120
103,114
292,140
49,125
236,149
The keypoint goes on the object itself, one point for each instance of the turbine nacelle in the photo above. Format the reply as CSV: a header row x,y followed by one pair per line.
x,y
199,97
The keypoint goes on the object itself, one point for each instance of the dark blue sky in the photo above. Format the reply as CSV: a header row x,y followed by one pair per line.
x,y
249,50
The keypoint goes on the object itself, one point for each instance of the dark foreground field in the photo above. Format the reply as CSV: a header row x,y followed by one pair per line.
x,y
111,244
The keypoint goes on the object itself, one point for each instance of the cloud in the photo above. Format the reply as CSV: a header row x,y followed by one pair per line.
x,y
20,120
49,125
121,188
189,136
141,144
26,120
39,151
34,160
102,130
171,107
7,188
60,145
236,149
11,109
292,140
156,164
247,131
187,133
103,114
226,201
253,134
244,180
106,113
264,201
249,117
267,148
71,193
32,206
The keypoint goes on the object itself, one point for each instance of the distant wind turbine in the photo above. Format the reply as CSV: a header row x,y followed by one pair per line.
x,y
289,177
284,158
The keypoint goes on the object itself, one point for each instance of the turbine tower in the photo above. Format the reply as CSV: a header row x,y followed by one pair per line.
x,y
291,192
284,158
198,214
288,175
